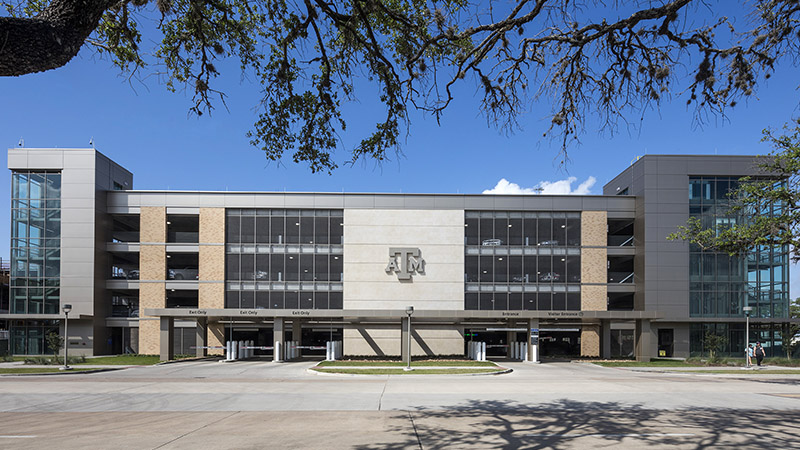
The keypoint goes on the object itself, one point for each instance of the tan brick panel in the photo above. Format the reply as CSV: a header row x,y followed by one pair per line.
x,y
152,262
153,224
594,265
211,261
212,225
590,340
211,295
149,337
216,338
151,295
594,228
594,297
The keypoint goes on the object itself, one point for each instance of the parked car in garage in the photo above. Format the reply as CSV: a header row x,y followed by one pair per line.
x,y
186,273
550,276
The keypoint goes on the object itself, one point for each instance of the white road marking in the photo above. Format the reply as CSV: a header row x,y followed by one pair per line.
x,y
612,435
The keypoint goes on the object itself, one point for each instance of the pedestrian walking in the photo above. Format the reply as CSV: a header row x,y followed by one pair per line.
x,y
748,352
759,351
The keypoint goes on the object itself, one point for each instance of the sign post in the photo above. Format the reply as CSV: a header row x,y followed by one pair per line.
x,y
534,350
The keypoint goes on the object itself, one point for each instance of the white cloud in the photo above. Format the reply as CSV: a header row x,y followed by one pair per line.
x,y
560,187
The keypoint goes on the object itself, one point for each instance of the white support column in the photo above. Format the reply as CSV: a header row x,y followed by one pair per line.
x,y
533,340
277,339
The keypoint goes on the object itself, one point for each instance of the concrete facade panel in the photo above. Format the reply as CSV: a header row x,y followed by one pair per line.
x,y
408,218
385,340
328,202
369,234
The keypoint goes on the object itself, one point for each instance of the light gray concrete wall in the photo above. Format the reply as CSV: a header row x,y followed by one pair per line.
x,y
661,184
81,336
129,202
680,337
385,339
368,236
85,176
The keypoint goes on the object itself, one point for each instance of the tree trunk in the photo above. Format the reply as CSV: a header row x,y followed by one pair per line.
x,y
49,40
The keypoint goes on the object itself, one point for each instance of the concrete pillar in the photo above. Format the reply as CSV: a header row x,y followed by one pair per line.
x,y
511,336
215,338
533,341
404,341
297,335
200,338
605,339
277,339
166,334
644,340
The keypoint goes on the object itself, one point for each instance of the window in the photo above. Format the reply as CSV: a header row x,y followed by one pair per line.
x,y
35,241
719,284
284,258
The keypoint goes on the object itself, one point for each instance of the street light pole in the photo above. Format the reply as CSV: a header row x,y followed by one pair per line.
x,y
409,312
66,308
747,310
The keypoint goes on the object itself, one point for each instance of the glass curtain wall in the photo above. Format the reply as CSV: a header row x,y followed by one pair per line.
x,y
35,242
284,259
522,260
28,337
734,333
720,285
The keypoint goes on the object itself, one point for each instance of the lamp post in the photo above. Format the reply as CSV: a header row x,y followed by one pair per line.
x,y
409,312
66,308
747,310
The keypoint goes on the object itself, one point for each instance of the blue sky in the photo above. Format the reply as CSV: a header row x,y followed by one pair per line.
x,y
149,131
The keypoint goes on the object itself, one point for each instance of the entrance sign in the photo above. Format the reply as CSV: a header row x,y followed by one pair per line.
x,y
410,262
534,336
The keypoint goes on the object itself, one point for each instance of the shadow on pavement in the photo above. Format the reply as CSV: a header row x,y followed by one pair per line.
x,y
570,424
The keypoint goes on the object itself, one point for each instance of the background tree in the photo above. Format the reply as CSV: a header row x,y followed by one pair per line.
x,y
55,342
608,59
766,206
789,338
713,342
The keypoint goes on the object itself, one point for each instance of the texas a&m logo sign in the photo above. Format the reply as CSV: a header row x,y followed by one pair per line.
x,y
405,261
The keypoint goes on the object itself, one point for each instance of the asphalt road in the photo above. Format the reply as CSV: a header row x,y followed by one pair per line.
x,y
266,405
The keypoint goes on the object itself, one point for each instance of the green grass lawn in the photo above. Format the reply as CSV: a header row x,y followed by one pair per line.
x,y
403,372
366,363
28,370
123,360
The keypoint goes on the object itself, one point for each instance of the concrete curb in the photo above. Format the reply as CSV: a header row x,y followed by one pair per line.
x,y
328,374
204,358
65,372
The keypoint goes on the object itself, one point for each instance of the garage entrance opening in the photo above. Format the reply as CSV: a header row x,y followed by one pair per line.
x,y
559,342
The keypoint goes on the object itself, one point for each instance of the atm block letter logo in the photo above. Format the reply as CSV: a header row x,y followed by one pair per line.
x,y
405,261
